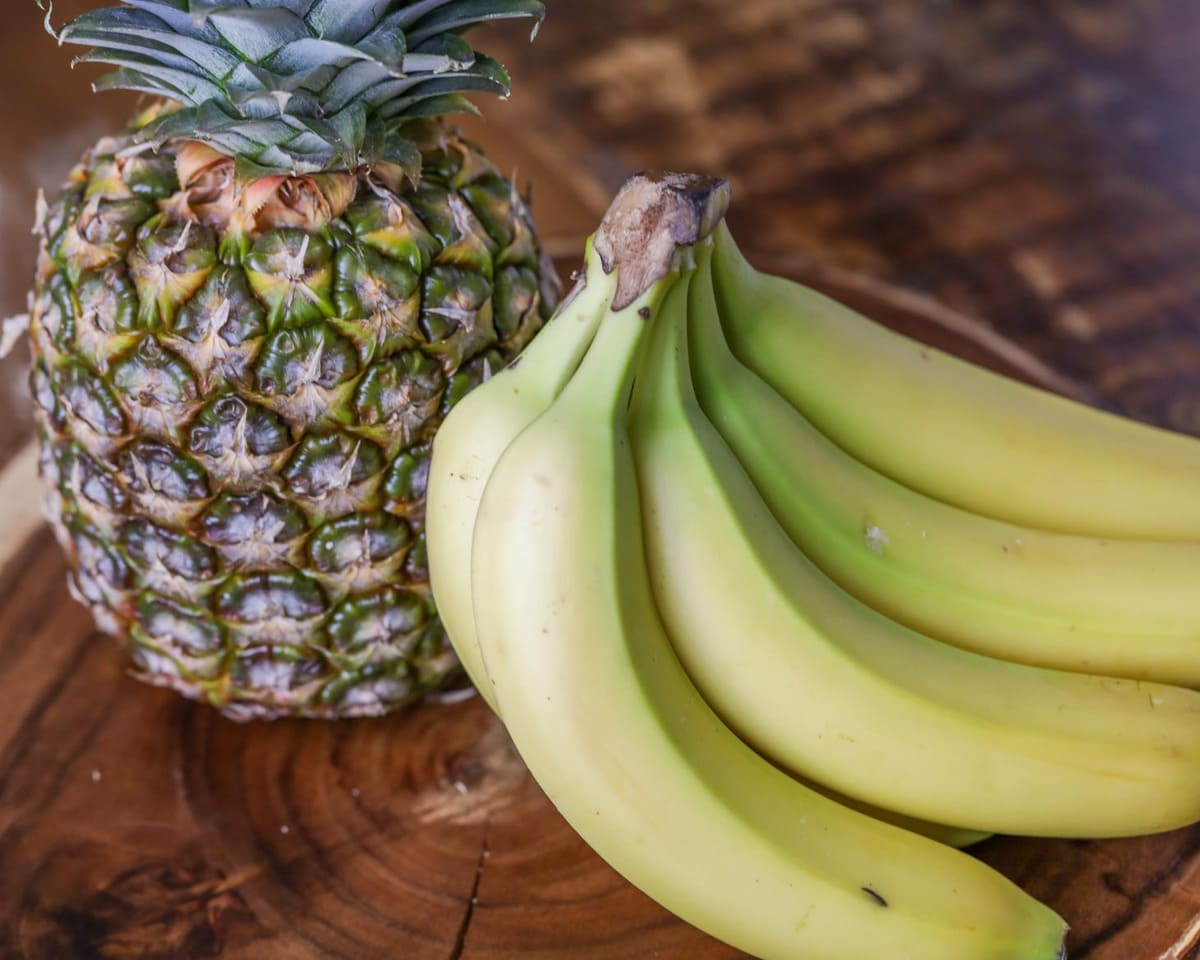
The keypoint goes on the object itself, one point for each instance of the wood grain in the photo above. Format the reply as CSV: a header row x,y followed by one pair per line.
x,y
1032,164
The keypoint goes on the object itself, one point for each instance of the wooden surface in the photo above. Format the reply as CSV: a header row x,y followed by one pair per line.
x,y
1029,164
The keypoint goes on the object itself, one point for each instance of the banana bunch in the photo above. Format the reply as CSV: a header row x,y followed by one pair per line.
x,y
779,607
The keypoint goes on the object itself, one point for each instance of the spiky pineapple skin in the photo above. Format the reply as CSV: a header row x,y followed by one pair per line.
x,y
235,427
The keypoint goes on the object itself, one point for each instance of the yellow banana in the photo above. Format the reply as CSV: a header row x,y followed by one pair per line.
x,y
957,837
953,431
475,434
625,747
1117,607
828,687
471,441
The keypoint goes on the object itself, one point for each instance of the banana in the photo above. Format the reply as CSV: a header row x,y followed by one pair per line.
x,y
475,434
831,689
471,441
624,746
957,837
953,431
467,448
1118,607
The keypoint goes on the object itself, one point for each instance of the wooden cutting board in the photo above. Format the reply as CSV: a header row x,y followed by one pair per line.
x,y
134,824
1026,159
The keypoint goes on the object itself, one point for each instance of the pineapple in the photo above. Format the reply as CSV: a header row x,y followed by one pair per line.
x,y
251,312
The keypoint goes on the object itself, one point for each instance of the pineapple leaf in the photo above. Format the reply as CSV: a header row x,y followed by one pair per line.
x,y
188,84
298,7
437,106
485,74
347,128
448,45
256,34
387,45
250,168
264,132
386,143
130,80
308,54
174,14
353,82
436,89
188,123
389,37
214,61
296,84
264,104
251,81
490,69
412,12
158,53
124,54
248,80
466,13
432,63
345,20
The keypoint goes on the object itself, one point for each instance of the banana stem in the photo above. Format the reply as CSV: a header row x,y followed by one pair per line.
x,y
653,215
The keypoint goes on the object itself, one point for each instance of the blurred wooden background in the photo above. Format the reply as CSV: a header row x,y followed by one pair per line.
x,y
1031,164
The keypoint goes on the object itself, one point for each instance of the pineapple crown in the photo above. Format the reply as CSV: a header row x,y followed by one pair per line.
x,y
297,86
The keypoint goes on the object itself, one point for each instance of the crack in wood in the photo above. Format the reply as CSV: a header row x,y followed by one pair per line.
x,y
460,941
1148,890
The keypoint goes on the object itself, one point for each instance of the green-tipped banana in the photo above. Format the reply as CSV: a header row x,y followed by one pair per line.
x,y
633,757
829,688
1118,607
473,437
466,450
957,432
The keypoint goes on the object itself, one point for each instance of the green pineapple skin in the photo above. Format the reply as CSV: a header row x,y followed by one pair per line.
x,y
235,426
